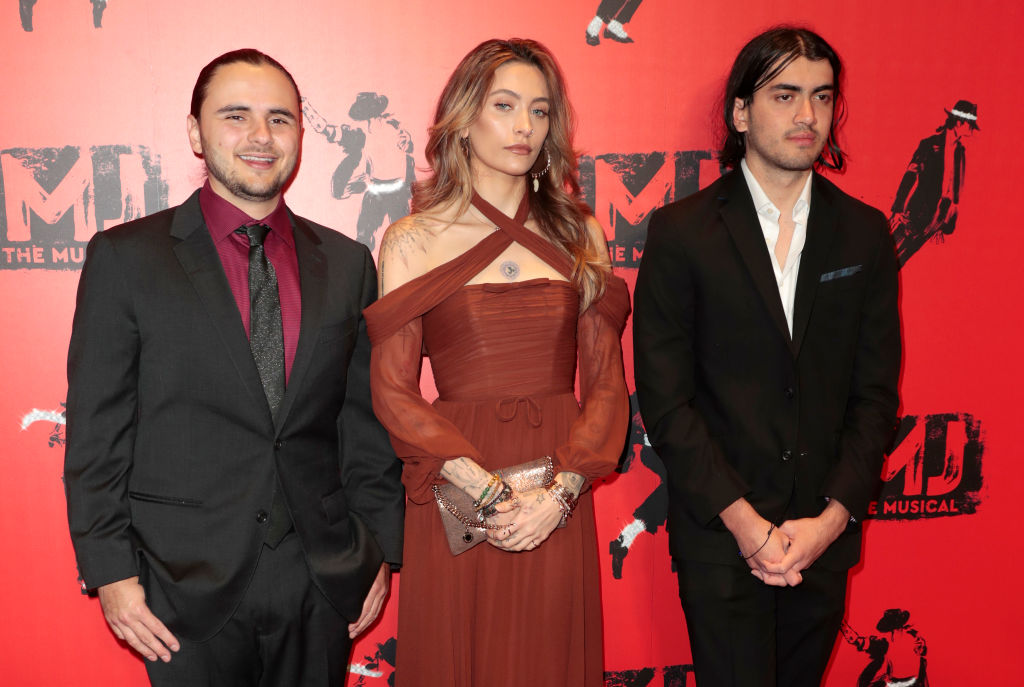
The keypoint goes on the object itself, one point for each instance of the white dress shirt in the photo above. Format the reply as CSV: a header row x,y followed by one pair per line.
x,y
768,216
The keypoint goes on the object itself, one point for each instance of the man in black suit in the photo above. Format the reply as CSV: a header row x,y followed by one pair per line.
x,y
231,496
767,351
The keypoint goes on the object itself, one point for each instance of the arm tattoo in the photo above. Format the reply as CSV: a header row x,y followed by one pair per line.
x,y
466,474
573,481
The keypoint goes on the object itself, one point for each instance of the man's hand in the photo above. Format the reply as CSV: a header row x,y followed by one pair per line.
x,y
762,552
809,537
374,601
124,607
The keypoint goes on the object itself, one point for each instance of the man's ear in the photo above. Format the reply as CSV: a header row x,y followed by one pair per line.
x,y
739,115
194,139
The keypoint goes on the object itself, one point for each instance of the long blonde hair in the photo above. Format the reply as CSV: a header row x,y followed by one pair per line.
x,y
557,206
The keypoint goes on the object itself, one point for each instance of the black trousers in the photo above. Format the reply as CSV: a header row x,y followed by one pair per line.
x,y
622,10
284,634
744,633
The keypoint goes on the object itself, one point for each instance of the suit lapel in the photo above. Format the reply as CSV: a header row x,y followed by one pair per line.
x,y
198,257
312,286
740,219
821,232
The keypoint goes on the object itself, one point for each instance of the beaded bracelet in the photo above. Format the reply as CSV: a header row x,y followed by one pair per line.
x,y
504,494
479,503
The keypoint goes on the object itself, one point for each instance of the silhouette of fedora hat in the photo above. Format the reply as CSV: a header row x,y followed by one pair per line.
x,y
893,619
367,106
967,111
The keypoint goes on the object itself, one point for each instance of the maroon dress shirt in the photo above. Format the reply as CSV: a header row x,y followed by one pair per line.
x,y
222,218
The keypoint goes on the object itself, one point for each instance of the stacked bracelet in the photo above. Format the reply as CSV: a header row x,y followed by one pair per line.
x,y
564,498
481,502
504,494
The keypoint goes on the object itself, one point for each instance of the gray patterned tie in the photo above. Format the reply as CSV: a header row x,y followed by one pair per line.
x,y
266,340
266,335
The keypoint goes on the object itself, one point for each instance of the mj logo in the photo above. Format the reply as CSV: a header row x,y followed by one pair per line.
x,y
934,469
52,200
624,189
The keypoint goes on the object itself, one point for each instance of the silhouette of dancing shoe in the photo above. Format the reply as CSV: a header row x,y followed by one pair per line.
x,y
593,39
618,552
624,38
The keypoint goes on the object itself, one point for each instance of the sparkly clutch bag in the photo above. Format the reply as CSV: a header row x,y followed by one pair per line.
x,y
463,526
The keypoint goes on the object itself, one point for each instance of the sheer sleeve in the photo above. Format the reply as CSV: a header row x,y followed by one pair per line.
x,y
421,437
597,436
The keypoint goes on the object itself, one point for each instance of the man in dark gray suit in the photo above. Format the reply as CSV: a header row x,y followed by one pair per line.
x,y
231,496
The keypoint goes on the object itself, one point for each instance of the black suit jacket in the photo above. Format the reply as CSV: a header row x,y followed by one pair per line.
x,y
172,451
735,406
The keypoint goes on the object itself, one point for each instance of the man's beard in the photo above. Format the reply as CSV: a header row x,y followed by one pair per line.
x,y
243,189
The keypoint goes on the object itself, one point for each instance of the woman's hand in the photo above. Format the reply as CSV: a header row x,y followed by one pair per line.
x,y
535,517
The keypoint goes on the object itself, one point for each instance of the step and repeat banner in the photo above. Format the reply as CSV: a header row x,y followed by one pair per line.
x,y
93,134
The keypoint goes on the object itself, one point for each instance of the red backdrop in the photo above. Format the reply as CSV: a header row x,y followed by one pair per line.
x,y
93,133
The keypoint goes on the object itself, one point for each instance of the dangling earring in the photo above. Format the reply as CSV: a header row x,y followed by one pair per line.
x,y
537,175
464,143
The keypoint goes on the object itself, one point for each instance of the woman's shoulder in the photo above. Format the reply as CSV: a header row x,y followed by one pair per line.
x,y
404,249
599,240
414,245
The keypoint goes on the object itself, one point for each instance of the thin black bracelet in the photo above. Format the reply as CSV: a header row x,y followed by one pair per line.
x,y
770,530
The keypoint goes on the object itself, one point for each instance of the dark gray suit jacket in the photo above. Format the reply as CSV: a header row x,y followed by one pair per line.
x,y
172,452
735,406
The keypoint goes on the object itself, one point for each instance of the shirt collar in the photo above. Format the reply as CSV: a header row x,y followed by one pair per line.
x,y
766,207
222,218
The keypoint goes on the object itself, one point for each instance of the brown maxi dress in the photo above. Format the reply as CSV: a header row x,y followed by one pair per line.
x,y
504,359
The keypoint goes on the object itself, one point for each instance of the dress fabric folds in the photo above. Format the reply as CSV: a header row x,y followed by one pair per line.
x,y
504,359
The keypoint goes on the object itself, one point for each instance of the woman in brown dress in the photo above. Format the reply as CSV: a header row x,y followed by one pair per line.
x,y
501,278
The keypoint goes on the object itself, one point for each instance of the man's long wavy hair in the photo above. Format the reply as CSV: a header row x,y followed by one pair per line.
x,y
760,61
557,206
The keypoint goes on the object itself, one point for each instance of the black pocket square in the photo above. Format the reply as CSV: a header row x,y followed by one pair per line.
x,y
839,274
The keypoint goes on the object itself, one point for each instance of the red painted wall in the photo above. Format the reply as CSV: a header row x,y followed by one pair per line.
x,y
94,133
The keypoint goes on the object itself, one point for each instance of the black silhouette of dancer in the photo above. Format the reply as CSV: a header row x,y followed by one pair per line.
x,y
26,7
612,14
386,653
377,162
897,655
928,199
653,512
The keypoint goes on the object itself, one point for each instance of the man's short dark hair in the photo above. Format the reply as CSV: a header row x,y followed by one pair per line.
x,y
246,55
760,61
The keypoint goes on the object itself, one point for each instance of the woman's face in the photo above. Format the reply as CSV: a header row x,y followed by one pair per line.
x,y
508,135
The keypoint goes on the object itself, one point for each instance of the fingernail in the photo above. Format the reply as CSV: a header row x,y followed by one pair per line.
x,y
174,647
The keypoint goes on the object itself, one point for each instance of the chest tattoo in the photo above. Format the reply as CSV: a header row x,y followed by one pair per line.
x,y
509,269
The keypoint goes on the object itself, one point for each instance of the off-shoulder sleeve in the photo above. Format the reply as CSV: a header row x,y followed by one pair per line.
x,y
421,437
597,436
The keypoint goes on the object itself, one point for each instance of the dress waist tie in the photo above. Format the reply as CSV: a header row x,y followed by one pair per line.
x,y
508,408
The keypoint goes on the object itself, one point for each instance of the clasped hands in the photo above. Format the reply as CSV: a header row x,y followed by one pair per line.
x,y
525,521
790,548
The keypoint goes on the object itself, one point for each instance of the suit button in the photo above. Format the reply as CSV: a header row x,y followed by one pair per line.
x,y
262,517
278,444
787,454
789,392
